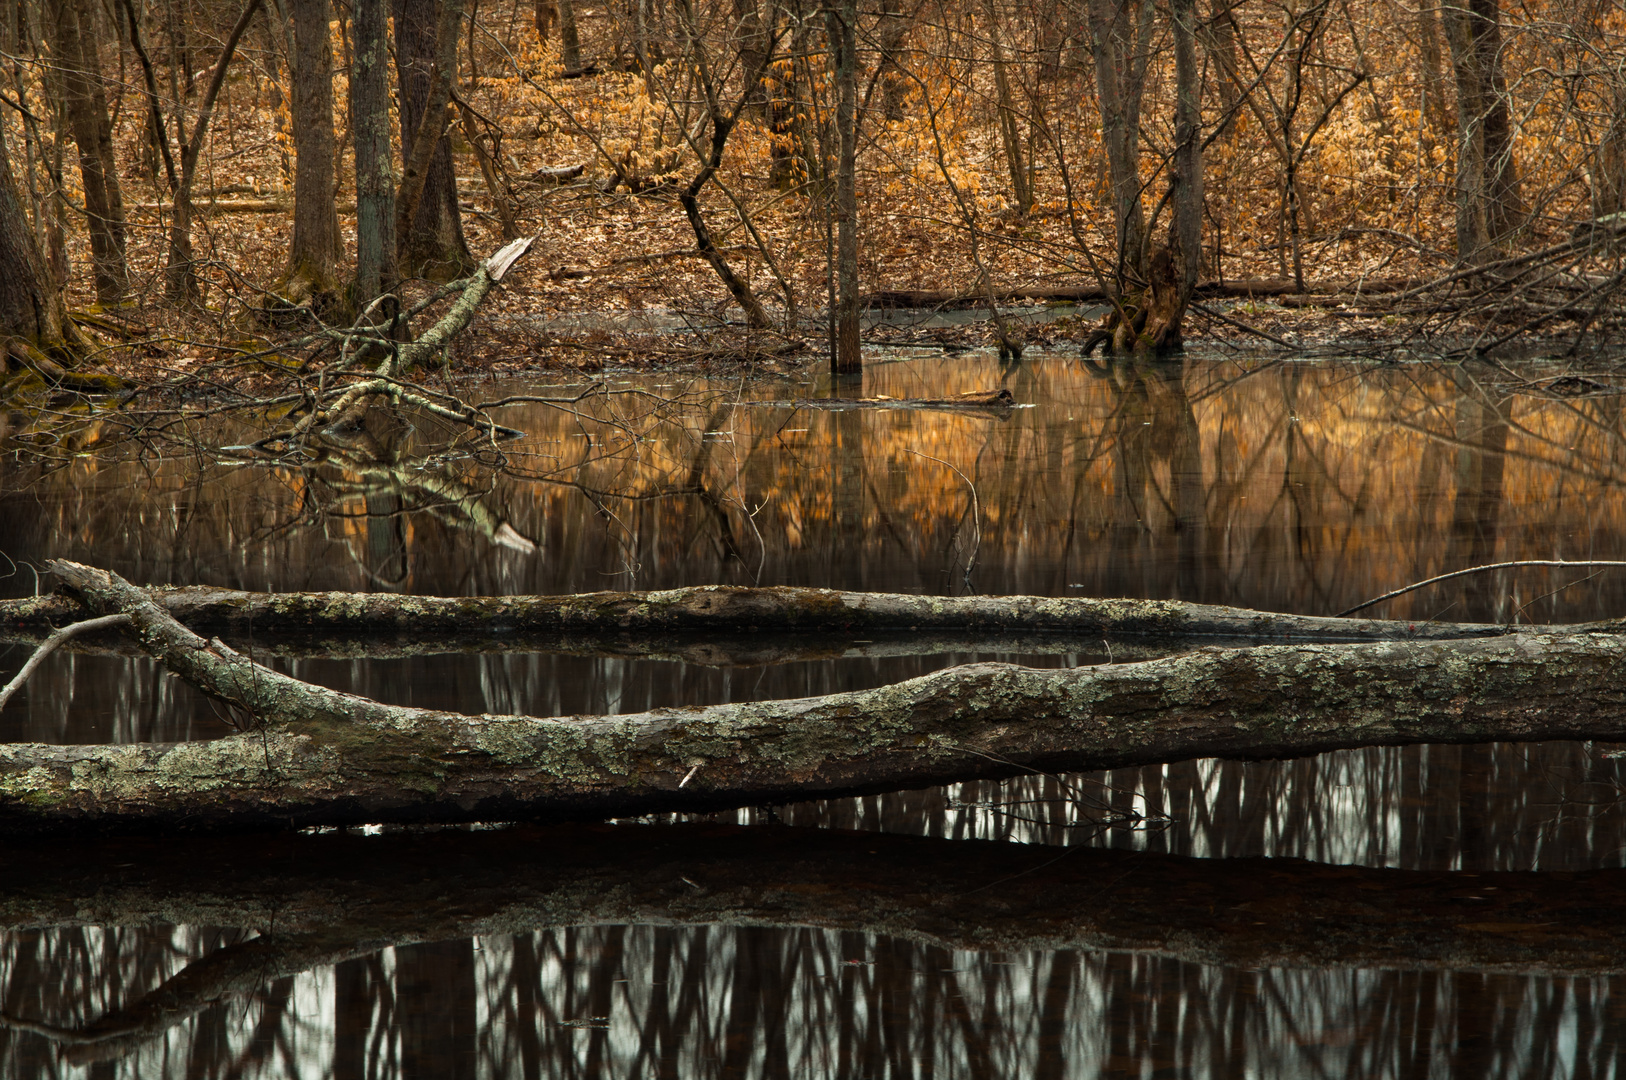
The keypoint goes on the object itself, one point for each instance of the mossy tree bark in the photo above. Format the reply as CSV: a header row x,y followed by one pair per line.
x,y
30,306
1489,205
316,756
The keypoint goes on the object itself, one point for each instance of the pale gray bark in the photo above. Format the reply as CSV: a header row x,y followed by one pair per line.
x,y
722,608
309,755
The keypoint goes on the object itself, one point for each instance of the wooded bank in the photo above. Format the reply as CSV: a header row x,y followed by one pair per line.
x,y
310,756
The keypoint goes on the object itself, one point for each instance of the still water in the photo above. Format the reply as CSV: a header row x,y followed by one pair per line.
x,y
1288,486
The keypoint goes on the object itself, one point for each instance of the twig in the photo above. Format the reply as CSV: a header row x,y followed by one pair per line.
x,y
49,645
1213,314
1475,570
976,509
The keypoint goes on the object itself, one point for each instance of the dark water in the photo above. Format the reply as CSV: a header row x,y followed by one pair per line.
x,y
1303,487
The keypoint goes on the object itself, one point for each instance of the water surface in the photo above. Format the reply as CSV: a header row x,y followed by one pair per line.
x,y
1288,486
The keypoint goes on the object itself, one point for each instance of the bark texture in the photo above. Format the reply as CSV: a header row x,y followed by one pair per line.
x,y
376,271
314,756
30,306
846,355
78,73
430,244
1120,35
1489,206
313,255
716,609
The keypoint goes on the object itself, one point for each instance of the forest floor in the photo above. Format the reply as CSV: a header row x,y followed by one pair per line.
x,y
614,278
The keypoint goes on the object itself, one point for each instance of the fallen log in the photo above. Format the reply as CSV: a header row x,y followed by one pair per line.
x,y
1236,289
309,755
726,608
1000,401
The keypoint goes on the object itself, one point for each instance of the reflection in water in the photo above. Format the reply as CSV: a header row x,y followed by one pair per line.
x,y
646,1001
1282,486
1279,486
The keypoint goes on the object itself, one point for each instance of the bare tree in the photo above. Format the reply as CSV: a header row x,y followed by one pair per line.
x,y
78,80
1488,203
315,249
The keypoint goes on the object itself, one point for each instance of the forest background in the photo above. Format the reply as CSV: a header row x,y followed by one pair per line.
x,y
188,182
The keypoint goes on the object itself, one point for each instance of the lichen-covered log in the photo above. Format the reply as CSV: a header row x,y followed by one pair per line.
x,y
316,756
961,894
723,608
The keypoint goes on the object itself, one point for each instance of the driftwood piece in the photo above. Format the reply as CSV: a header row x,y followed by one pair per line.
x,y
316,756
716,609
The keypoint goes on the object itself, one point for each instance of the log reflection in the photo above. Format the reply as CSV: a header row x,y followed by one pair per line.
x,y
779,952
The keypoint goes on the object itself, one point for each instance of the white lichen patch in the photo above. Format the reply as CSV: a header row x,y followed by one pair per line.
x,y
30,785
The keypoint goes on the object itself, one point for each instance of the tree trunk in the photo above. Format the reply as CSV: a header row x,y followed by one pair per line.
x,y
311,756
1489,206
1186,166
1609,164
315,250
433,245
1121,36
890,35
421,144
376,271
755,37
570,47
846,357
180,274
78,73
546,14
31,311
1010,130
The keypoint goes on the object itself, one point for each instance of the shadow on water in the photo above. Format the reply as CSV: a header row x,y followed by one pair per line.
x,y
1284,486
